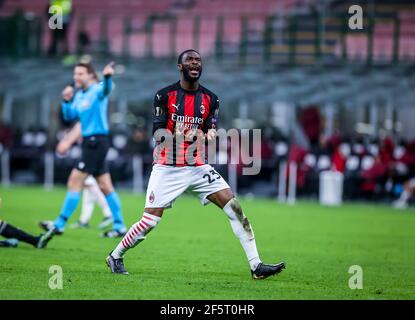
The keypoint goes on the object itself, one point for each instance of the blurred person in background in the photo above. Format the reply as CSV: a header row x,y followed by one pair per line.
x,y
311,123
91,193
89,106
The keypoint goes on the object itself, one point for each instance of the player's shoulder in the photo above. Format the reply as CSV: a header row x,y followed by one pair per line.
x,y
213,96
97,86
208,92
165,90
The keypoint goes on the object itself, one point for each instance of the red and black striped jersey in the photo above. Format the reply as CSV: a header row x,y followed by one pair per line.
x,y
179,111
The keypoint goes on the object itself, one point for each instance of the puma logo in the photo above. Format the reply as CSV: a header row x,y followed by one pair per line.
x,y
177,107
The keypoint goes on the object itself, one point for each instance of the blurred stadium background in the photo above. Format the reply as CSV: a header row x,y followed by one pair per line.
x,y
325,97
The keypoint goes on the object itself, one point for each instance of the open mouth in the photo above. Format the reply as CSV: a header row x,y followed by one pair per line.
x,y
194,72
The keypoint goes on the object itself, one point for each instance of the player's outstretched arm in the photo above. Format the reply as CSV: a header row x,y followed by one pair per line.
x,y
68,93
107,72
69,139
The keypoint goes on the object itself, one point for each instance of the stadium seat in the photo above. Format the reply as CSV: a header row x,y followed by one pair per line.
x,y
373,149
40,139
399,152
345,149
281,149
28,139
310,160
367,162
352,163
323,162
401,168
119,141
358,149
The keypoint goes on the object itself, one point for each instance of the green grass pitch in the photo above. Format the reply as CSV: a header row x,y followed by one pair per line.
x,y
193,253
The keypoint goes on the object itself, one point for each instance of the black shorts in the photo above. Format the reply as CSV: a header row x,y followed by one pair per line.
x,y
94,152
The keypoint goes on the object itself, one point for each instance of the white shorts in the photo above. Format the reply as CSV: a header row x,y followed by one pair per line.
x,y
90,181
167,183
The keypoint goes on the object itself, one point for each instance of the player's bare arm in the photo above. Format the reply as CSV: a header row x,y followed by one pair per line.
x,y
69,139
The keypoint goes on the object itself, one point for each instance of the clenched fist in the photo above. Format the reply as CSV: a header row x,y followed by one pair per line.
x,y
67,93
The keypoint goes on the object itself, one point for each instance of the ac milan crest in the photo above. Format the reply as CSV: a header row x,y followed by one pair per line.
x,y
152,197
202,109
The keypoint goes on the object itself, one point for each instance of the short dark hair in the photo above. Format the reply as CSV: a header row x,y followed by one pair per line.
x,y
180,58
86,65
89,68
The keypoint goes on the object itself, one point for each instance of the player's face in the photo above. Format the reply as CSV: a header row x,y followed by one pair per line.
x,y
191,66
81,77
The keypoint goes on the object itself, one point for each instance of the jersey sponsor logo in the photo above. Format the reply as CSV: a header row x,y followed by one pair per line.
x,y
186,119
202,109
181,128
151,197
186,122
